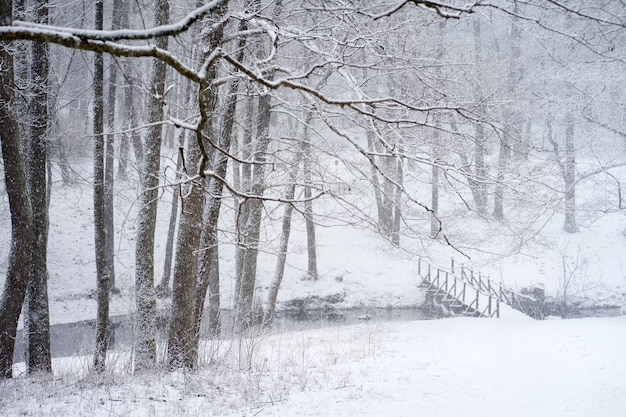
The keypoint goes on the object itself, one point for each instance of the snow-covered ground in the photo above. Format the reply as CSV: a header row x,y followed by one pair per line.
x,y
450,367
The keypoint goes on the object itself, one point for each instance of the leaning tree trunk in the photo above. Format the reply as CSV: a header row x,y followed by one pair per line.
x,y
145,297
102,270
281,260
38,315
19,205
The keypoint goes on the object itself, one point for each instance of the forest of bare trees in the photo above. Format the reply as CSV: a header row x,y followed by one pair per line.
x,y
399,112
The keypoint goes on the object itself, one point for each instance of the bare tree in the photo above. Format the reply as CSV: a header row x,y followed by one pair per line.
x,y
208,260
145,342
311,241
19,204
38,317
181,333
109,163
102,267
281,260
245,296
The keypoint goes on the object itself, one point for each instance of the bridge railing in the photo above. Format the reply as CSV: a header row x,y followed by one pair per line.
x,y
486,291
451,292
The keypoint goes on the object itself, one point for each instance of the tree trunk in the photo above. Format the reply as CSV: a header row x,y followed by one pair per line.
x,y
569,177
397,202
109,165
435,223
241,211
130,115
244,314
510,121
181,333
503,157
272,295
124,149
208,261
38,315
19,205
145,342
377,194
480,172
102,267
131,134
163,289
311,241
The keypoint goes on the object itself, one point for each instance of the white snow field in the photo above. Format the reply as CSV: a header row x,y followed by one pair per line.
x,y
439,368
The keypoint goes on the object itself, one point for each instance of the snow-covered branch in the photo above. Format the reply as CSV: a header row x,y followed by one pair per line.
x,y
21,29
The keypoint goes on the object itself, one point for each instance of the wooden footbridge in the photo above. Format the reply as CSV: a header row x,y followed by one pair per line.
x,y
461,292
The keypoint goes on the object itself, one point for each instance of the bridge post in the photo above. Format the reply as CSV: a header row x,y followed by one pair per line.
x,y
419,266
452,265
477,300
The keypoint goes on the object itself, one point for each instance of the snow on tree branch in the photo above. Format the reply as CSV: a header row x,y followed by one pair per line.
x,y
21,29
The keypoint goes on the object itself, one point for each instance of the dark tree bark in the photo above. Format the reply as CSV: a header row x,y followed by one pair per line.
x,y
102,267
37,322
19,205
145,297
